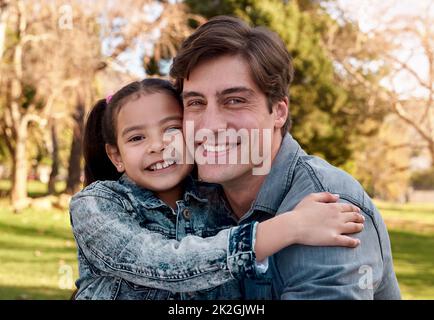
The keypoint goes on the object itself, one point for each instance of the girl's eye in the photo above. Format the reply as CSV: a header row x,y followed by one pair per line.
x,y
194,103
136,138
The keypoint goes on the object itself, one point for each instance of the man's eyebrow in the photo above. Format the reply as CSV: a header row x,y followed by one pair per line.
x,y
236,90
189,94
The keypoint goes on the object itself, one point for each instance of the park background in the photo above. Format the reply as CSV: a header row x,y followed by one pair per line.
x,y
362,99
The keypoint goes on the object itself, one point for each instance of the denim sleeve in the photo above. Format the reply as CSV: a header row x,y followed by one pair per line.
x,y
113,242
242,259
339,273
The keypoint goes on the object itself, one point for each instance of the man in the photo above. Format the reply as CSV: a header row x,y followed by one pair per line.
x,y
234,77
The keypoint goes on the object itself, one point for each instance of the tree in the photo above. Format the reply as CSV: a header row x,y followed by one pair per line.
x,y
403,44
124,29
382,165
18,108
32,85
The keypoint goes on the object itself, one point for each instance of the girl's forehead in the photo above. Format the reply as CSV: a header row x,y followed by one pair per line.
x,y
149,108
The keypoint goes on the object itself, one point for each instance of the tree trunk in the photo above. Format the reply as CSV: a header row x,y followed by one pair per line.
x,y
19,171
431,152
55,158
3,17
73,183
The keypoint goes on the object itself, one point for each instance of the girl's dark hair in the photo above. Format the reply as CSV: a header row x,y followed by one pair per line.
x,y
101,128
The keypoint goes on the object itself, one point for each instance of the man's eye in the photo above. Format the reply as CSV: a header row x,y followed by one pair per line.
x,y
173,129
234,101
136,138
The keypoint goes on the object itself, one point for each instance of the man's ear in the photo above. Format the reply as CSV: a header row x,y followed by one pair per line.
x,y
115,157
281,111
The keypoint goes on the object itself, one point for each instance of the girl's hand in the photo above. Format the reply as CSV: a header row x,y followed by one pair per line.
x,y
318,220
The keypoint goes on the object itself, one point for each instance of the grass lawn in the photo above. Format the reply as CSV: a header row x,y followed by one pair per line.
x,y
411,230
38,255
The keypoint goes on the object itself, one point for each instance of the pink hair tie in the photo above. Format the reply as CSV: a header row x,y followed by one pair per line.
x,y
109,97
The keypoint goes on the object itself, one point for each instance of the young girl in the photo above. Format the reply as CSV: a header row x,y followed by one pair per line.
x,y
146,230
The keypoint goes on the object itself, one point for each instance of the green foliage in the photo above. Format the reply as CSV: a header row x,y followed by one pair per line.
x,y
4,152
423,180
327,116
152,66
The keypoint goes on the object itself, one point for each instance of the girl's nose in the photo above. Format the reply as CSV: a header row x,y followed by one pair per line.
x,y
156,146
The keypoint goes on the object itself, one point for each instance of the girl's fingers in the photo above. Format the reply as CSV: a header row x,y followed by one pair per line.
x,y
346,241
353,217
347,207
325,197
352,227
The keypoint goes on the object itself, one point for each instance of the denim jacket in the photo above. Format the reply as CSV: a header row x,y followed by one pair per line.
x,y
131,245
308,272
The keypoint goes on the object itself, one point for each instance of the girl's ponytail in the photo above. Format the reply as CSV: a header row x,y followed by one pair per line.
x,y
97,165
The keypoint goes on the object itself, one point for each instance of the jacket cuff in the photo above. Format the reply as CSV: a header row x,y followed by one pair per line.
x,y
241,254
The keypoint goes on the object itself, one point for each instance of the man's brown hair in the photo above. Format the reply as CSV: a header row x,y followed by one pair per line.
x,y
269,61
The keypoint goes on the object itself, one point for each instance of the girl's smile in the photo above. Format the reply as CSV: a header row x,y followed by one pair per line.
x,y
141,125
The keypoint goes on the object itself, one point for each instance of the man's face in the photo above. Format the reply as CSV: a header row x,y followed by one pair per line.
x,y
220,94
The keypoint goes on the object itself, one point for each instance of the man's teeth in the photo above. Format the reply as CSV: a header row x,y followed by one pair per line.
x,y
162,165
218,148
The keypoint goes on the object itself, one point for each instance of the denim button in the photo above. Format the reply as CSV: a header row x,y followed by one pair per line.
x,y
187,214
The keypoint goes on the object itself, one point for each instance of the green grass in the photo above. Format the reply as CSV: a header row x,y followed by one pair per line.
x,y
35,188
37,248
411,230
413,256
37,253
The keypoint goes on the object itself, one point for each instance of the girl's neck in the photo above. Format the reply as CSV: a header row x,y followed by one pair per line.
x,y
171,196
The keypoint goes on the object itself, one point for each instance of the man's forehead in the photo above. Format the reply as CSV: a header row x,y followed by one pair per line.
x,y
214,76
220,91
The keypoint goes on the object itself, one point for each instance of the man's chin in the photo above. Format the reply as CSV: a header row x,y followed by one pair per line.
x,y
223,173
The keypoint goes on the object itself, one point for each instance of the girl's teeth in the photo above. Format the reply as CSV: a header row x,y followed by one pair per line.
x,y
162,165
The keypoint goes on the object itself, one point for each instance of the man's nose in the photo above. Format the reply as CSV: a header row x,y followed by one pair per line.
x,y
213,118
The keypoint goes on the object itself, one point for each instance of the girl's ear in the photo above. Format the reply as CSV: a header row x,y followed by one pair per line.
x,y
281,110
115,157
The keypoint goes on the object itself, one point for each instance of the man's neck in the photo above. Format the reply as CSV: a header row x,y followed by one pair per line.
x,y
242,192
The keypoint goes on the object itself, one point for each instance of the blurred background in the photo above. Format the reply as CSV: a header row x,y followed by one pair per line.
x,y
362,98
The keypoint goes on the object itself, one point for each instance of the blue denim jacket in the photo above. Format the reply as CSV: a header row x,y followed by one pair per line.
x,y
131,245
307,272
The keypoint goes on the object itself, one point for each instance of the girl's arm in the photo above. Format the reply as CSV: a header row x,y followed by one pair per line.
x,y
316,221
111,239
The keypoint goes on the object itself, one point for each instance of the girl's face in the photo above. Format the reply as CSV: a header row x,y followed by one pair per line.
x,y
141,125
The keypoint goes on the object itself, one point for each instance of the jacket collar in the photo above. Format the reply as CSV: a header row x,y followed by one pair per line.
x,y
150,201
278,181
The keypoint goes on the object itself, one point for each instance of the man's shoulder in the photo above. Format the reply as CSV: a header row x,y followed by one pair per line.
x,y
331,178
320,176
